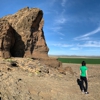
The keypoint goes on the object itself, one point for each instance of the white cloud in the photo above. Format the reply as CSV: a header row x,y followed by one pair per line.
x,y
52,3
58,22
86,36
63,2
75,48
56,28
61,38
81,38
93,50
62,45
61,20
90,44
61,34
93,32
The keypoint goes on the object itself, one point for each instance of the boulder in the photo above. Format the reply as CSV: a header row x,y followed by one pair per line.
x,y
21,34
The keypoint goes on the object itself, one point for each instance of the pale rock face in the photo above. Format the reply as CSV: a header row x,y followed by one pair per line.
x,y
21,34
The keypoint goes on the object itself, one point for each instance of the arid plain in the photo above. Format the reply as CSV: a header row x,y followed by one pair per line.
x,y
18,83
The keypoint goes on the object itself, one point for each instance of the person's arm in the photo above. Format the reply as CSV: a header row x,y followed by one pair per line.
x,y
86,74
80,72
80,75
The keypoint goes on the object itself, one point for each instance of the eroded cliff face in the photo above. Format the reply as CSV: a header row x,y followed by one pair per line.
x,y
21,34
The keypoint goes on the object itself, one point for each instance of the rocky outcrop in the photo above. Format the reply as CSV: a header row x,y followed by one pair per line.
x,y
21,34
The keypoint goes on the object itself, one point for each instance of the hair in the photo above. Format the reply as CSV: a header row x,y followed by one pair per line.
x,y
83,63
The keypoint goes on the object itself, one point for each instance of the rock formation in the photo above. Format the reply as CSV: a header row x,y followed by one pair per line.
x,y
21,34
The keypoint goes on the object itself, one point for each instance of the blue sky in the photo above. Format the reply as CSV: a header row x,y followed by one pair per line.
x,y
71,27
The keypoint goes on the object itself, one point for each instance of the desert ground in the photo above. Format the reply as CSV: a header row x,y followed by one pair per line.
x,y
19,84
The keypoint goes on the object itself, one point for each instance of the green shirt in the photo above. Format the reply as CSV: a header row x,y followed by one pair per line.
x,y
83,70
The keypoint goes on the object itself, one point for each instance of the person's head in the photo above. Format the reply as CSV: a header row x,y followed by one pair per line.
x,y
83,63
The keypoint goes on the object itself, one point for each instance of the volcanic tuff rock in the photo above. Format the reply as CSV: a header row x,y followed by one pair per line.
x,y
21,34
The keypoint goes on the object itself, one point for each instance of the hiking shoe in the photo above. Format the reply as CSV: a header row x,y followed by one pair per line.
x,y
86,92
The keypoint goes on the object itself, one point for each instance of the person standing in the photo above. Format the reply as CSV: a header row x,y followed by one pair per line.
x,y
84,77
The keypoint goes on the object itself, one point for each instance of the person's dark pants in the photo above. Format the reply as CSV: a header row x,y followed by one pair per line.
x,y
84,80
